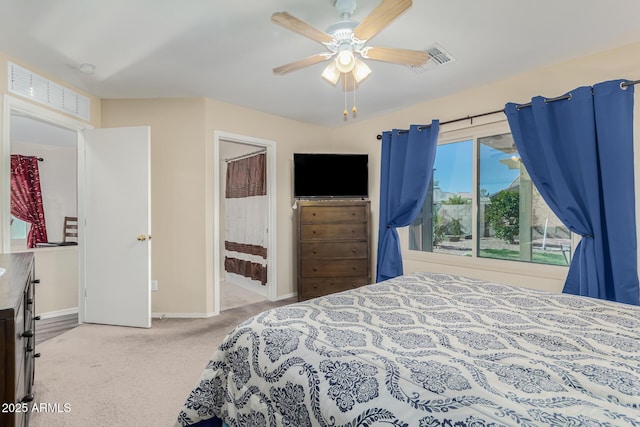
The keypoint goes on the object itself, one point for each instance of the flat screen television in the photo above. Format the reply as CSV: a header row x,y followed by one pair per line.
x,y
330,175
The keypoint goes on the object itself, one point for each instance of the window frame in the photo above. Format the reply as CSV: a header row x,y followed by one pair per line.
x,y
548,271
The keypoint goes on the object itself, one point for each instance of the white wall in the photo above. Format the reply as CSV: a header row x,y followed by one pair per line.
x,y
58,181
549,81
57,270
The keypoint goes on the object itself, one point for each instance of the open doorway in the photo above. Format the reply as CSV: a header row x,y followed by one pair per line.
x,y
55,149
131,282
53,139
244,230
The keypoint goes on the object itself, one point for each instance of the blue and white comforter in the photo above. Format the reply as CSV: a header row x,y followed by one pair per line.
x,y
428,350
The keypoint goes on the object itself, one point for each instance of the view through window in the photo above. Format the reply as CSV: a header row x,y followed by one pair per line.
x,y
512,222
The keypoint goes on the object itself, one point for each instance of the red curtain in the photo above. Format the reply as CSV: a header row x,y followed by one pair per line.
x,y
26,197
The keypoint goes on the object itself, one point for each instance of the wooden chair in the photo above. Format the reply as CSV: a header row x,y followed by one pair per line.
x,y
70,233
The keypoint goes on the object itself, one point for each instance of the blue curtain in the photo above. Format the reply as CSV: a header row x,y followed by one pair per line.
x,y
405,176
579,154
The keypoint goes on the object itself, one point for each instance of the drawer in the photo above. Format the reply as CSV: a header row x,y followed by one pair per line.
x,y
20,341
346,213
355,231
21,382
334,250
29,369
312,288
334,268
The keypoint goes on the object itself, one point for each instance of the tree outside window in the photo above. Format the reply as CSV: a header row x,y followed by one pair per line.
x,y
513,221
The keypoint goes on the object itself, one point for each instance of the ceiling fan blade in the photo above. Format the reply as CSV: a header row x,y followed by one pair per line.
x,y
380,17
292,23
294,66
398,56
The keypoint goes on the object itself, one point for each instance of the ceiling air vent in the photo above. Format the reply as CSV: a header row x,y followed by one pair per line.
x,y
437,57
36,88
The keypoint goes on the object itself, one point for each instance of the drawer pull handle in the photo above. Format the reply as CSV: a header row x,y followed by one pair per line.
x,y
353,250
314,231
353,268
315,286
36,355
28,398
313,214
315,252
315,269
37,318
35,281
27,334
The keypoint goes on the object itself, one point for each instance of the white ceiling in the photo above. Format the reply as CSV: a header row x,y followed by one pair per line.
x,y
28,130
226,50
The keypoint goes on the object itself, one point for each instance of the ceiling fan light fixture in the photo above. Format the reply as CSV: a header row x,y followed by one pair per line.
x,y
360,70
331,73
345,61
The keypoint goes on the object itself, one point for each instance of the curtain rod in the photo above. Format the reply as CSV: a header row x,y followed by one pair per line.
x,y
40,159
231,159
559,98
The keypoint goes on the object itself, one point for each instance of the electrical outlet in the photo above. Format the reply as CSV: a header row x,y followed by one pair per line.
x,y
154,285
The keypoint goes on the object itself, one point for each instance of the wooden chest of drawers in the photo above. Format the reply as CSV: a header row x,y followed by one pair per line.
x,y
17,338
333,246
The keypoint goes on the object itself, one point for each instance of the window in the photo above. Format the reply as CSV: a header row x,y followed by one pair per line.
x,y
19,230
445,223
481,181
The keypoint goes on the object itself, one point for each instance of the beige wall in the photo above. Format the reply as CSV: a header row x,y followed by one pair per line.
x,y
182,184
289,136
182,169
182,172
57,268
548,81
177,192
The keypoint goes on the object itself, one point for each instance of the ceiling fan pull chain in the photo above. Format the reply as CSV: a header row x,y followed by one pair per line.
x,y
344,81
354,110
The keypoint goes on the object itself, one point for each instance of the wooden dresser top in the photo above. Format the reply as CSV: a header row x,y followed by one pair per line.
x,y
12,282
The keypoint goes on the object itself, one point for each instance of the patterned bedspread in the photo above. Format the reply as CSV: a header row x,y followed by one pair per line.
x,y
428,350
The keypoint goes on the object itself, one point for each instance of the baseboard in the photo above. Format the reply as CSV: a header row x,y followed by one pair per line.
x,y
181,315
58,313
286,296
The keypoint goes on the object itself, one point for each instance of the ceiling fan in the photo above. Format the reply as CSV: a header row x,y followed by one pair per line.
x,y
346,42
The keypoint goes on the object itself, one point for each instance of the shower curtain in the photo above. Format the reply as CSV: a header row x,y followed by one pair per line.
x,y
246,219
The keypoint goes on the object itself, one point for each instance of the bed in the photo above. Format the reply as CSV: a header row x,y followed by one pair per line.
x,y
427,350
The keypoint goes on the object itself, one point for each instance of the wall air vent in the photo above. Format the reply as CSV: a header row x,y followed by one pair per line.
x,y
36,88
437,57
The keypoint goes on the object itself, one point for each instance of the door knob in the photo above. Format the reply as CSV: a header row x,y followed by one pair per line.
x,y
142,237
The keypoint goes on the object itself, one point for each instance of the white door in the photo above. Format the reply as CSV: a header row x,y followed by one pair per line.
x,y
117,227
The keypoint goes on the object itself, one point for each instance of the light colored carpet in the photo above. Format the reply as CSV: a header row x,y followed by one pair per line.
x,y
116,376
